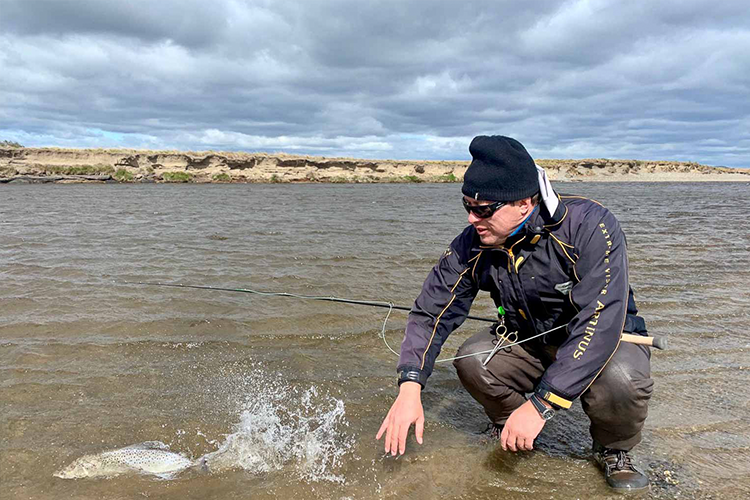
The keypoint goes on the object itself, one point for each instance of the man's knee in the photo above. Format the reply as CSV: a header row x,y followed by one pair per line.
x,y
489,385
471,372
509,372
623,389
468,357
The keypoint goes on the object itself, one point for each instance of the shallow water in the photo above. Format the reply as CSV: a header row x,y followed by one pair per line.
x,y
294,390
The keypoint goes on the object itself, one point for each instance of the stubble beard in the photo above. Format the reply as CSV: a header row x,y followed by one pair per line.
x,y
491,240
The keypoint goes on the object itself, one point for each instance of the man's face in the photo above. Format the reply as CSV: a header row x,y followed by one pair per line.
x,y
494,230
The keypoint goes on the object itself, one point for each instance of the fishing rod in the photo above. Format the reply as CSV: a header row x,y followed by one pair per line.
x,y
296,296
656,341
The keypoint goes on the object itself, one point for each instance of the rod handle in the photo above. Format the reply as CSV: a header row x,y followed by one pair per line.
x,y
658,341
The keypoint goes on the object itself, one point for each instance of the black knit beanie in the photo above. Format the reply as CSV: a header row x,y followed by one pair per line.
x,y
501,170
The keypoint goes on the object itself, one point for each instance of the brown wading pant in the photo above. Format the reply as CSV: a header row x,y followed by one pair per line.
x,y
616,403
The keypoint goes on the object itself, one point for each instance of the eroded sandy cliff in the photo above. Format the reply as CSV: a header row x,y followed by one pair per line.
x,y
110,165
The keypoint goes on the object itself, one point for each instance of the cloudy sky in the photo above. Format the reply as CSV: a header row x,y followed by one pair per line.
x,y
405,79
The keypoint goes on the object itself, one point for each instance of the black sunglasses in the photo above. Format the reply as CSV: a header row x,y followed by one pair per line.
x,y
483,211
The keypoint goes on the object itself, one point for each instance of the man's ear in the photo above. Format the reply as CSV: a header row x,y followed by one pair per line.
x,y
525,205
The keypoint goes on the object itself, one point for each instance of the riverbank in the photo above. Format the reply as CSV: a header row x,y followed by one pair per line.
x,y
38,165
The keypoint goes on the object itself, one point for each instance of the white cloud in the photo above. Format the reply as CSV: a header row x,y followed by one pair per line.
x,y
398,79
439,84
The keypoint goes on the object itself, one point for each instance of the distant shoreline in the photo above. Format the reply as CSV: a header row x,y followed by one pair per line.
x,y
44,165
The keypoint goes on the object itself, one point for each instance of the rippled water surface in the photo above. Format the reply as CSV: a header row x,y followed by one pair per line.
x,y
296,389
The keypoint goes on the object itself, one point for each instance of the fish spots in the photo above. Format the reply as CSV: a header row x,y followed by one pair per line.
x,y
151,457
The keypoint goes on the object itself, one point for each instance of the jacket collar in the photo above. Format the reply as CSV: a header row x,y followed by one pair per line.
x,y
536,225
539,222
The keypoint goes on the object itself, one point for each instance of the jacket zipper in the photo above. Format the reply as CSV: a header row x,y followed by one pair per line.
x,y
513,273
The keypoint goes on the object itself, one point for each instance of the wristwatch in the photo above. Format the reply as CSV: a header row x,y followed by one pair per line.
x,y
544,412
410,376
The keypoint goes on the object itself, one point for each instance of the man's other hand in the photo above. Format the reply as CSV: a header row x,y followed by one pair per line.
x,y
522,427
406,410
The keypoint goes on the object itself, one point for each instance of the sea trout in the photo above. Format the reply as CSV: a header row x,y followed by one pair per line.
x,y
151,457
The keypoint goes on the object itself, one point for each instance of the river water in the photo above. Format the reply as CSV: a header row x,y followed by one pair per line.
x,y
298,388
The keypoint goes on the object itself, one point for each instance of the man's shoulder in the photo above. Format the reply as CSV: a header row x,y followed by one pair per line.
x,y
580,208
585,217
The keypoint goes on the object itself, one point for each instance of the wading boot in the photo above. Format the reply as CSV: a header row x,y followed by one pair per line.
x,y
619,470
492,432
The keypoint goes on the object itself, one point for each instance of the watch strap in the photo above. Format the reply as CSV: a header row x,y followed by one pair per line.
x,y
408,375
541,408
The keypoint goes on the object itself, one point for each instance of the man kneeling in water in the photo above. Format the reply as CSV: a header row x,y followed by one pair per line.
x,y
549,262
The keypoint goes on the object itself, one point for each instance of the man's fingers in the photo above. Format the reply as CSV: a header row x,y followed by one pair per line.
x,y
512,443
383,427
407,410
395,431
388,436
419,429
521,444
403,431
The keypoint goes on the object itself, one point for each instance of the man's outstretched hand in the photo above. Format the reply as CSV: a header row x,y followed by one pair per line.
x,y
406,410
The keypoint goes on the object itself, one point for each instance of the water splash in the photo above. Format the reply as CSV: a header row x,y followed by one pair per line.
x,y
282,427
279,427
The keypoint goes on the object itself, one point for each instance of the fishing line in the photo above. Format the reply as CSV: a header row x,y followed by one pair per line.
x,y
382,331
505,346
445,360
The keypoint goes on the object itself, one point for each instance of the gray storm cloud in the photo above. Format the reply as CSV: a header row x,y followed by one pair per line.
x,y
389,79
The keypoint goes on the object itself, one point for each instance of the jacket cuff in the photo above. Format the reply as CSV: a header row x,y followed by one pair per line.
x,y
546,393
412,374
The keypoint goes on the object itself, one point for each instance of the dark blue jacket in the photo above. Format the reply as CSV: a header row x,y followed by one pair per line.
x,y
569,268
